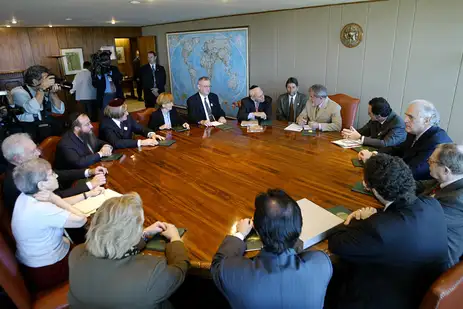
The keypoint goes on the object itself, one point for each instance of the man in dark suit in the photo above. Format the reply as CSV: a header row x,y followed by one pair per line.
x,y
385,128
388,258
107,79
204,106
277,277
256,106
19,148
137,75
117,127
153,79
79,147
291,104
424,134
446,165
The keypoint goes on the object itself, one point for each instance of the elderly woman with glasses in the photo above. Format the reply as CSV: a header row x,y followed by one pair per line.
x,y
117,127
38,223
109,271
166,116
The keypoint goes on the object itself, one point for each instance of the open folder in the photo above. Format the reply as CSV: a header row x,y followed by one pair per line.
x,y
90,205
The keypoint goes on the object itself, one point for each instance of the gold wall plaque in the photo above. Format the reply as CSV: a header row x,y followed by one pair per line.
x,y
351,35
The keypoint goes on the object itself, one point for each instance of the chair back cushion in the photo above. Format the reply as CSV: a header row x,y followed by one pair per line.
x,y
48,148
447,291
349,107
143,116
96,128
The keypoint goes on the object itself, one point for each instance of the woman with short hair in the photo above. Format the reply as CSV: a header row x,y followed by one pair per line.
x,y
38,222
109,271
166,116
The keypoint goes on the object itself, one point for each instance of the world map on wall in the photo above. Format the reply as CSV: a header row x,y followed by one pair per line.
x,y
222,55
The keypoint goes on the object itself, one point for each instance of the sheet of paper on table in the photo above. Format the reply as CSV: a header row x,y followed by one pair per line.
x,y
318,223
347,143
294,127
90,205
249,123
216,123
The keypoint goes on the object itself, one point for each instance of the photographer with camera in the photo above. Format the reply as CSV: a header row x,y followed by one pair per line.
x,y
106,78
39,99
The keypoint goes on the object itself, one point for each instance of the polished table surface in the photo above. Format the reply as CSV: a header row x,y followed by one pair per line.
x,y
209,178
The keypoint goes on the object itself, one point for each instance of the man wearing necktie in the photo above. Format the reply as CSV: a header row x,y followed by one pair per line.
x,y
153,79
291,103
256,106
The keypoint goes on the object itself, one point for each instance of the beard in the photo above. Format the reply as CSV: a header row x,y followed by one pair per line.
x,y
88,138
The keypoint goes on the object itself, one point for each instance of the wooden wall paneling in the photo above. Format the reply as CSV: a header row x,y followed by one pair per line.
x,y
74,37
99,38
44,43
125,68
26,49
10,51
88,43
61,37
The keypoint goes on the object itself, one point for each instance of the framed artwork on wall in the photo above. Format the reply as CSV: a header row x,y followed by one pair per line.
x,y
120,54
73,60
111,49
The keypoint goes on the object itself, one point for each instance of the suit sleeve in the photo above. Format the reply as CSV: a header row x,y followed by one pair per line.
x,y
268,109
336,121
175,119
243,112
280,114
154,123
138,128
166,278
397,150
193,117
117,142
220,111
419,163
79,188
304,115
231,247
162,87
78,161
365,130
70,175
395,136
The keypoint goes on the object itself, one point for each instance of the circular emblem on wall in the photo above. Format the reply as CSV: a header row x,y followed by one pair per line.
x,y
351,35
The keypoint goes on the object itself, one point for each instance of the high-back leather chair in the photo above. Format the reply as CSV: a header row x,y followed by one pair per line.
x,y
447,291
96,128
143,116
48,148
349,107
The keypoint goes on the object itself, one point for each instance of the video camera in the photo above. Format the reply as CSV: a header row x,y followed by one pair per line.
x,y
101,62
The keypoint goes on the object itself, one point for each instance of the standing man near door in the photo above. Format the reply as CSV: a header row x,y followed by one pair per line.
x,y
153,79
136,75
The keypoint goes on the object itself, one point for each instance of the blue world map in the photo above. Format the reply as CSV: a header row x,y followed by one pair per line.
x,y
222,55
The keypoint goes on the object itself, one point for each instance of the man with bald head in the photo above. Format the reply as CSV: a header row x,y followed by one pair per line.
x,y
256,106
446,166
424,134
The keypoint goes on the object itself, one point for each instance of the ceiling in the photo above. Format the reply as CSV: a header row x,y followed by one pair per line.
x,y
33,13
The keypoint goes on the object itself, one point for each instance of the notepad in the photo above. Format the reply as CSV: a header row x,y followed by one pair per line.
x,y
340,211
113,157
90,205
255,129
369,148
357,163
266,123
249,123
309,133
358,187
253,242
166,142
225,127
347,143
318,223
159,242
179,129
294,127
215,123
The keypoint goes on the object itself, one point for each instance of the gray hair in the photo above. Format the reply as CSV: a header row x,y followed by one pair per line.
x,y
319,91
27,176
451,156
13,147
116,227
427,110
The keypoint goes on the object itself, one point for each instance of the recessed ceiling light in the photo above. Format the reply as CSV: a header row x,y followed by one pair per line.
x,y
14,21
8,26
69,18
113,21
50,25
135,2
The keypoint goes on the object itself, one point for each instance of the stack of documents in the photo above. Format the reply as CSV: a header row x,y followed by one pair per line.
x,y
90,205
249,123
216,123
347,143
294,127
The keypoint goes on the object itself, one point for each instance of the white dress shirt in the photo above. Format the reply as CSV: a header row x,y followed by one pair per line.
x,y
204,106
82,86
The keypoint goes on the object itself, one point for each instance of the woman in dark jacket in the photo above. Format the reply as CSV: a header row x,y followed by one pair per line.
x,y
166,116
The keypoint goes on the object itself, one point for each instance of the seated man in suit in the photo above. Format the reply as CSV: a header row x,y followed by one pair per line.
x,y
204,106
166,116
79,147
255,106
385,128
291,104
117,127
321,113
277,277
390,257
446,166
424,134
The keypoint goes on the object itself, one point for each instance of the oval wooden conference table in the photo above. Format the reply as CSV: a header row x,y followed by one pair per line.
x,y
209,178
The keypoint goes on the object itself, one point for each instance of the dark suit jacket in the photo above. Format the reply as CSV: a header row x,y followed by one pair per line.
x,y
136,68
390,133
136,282
288,280
72,153
65,177
121,137
451,199
416,157
248,106
196,111
100,84
146,76
157,119
393,257
283,106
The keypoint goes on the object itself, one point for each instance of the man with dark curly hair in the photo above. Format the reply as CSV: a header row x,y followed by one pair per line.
x,y
389,257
